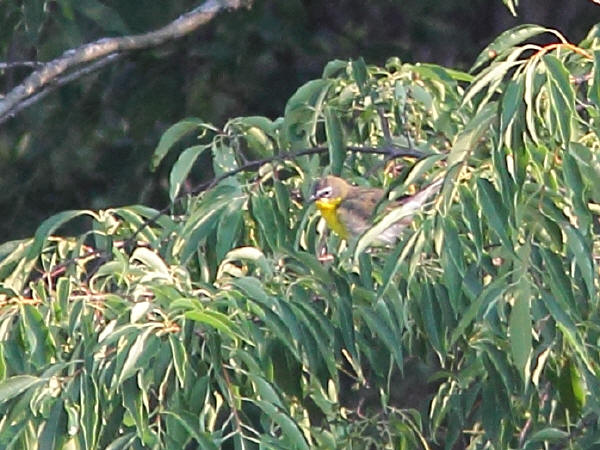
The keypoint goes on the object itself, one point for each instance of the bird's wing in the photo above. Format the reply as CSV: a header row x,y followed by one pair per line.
x,y
356,210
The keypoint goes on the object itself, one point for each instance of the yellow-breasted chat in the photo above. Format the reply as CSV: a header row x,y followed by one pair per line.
x,y
348,210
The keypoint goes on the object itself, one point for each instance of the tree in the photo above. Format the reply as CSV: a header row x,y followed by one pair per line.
x,y
216,324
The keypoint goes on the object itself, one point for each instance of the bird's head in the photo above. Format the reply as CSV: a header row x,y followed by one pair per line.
x,y
330,189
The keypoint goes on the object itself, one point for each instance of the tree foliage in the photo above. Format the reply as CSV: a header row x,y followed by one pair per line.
x,y
237,320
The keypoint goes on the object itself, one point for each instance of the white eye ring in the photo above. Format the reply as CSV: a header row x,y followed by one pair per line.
x,y
325,192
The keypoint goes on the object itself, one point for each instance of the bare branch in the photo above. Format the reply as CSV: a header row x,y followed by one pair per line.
x,y
61,81
15,64
391,152
74,59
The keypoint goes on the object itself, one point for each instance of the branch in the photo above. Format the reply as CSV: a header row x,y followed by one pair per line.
x,y
390,151
15,64
61,81
73,59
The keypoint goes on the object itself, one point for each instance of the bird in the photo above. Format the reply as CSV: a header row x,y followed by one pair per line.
x,y
348,209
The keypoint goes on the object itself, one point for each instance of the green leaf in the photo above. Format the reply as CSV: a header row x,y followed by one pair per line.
x,y
182,168
583,257
494,210
152,261
431,317
500,363
63,292
334,67
39,339
290,430
13,386
520,329
548,434
511,100
252,254
139,349
491,78
360,74
229,228
562,96
190,423
48,226
505,41
345,317
421,167
180,358
216,320
594,87
302,113
379,326
568,329
170,137
512,6
470,137
202,229
395,261
52,435
490,294
265,390
559,282
335,141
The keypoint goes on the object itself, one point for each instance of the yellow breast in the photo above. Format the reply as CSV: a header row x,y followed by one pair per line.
x,y
328,208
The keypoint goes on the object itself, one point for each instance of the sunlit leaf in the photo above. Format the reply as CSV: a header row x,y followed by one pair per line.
x,y
506,40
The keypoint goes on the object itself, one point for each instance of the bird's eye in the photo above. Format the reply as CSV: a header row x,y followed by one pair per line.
x,y
324,193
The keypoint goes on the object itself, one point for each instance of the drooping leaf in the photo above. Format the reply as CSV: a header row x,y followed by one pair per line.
x,y
335,141
170,137
506,40
13,386
520,328
494,210
182,168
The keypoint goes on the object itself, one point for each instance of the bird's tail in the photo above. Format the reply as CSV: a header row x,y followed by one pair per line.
x,y
414,202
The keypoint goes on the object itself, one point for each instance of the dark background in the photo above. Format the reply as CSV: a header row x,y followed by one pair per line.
x,y
88,145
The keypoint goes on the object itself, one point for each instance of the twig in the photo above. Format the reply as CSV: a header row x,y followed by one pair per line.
x,y
385,126
15,64
88,53
387,137
390,151
61,81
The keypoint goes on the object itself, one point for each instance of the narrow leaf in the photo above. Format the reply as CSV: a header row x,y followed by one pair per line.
x,y
520,330
335,141
182,168
506,40
48,226
173,134
13,386
494,210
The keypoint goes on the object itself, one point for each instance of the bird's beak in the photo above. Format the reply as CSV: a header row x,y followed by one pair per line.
x,y
312,198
